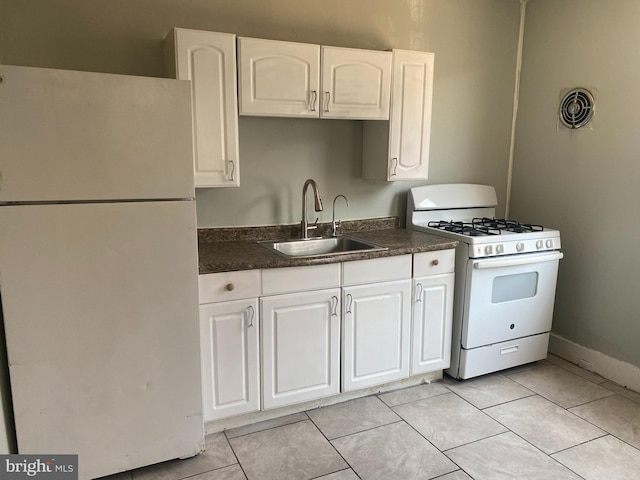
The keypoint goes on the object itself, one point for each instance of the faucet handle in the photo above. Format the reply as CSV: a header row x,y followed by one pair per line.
x,y
314,225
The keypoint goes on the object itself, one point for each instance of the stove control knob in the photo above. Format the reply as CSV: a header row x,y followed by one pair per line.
x,y
488,249
539,244
500,249
519,246
549,243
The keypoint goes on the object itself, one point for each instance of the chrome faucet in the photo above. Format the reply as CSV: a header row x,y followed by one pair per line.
x,y
334,224
318,206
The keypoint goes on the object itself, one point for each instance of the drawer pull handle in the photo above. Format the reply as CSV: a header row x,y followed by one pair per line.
x,y
435,262
229,287
508,350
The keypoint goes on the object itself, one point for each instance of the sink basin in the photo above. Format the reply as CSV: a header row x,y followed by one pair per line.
x,y
317,247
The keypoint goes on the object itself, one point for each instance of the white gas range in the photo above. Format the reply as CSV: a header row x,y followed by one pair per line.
x,y
506,275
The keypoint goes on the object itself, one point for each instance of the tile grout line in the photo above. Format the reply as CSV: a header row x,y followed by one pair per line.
x,y
607,432
334,447
508,431
268,428
235,454
413,401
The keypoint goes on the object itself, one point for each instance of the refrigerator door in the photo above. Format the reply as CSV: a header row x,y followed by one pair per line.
x,y
100,306
86,136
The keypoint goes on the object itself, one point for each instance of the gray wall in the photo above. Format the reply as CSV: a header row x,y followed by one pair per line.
x,y
475,46
586,183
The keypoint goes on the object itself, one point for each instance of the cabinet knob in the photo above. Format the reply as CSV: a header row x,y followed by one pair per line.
x,y
435,262
229,287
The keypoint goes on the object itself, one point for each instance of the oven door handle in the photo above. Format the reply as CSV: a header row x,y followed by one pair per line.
x,y
518,260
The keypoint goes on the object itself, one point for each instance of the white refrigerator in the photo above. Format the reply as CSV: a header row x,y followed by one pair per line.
x,y
98,267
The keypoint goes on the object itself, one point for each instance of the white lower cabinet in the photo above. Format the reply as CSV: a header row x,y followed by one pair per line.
x,y
229,346
432,316
300,347
376,331
376,321
277,337
433,274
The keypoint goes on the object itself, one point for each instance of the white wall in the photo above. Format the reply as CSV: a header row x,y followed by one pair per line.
x,y
585,183
475,45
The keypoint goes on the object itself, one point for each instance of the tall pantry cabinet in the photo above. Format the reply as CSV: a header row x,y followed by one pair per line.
x,y
208,59
399,149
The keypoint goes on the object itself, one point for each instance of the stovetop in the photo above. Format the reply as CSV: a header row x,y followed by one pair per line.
x,y
466,213
489,237
485,226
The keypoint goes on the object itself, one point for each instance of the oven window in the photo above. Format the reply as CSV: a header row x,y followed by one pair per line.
x,y
514,287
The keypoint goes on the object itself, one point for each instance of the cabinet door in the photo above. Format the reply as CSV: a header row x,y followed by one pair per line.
x,y
399,150
300,347
432,316
376,331
410,125
355,83
230,361
208,60
278,78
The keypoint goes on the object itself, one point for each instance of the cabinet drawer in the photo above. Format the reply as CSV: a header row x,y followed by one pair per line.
x,y
434,263
376,270
296,279
220,287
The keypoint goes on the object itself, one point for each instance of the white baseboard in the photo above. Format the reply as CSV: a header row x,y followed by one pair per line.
x,y
622,373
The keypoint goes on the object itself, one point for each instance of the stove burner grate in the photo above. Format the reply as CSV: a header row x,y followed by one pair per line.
x,y
507,225
464,228
485,226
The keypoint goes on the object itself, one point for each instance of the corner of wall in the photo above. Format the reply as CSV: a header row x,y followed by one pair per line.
x,y
623,373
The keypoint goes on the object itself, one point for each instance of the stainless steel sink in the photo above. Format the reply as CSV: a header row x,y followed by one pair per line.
x,y
319,247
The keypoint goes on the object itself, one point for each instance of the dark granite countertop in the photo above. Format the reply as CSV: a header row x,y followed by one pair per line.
x,y
230,249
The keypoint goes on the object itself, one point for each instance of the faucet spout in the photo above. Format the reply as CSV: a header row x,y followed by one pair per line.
x,y
317,204
334,223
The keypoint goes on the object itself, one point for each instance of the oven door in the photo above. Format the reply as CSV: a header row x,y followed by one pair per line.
x,y
509,297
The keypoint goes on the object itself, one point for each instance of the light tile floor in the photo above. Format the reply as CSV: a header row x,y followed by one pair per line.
x,y
547,420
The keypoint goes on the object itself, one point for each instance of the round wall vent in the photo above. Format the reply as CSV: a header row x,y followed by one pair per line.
x,y
576,108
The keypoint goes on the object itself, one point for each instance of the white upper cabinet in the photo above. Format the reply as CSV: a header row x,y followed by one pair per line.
x,y
355,83
208,59
400,150
278,78
302,80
